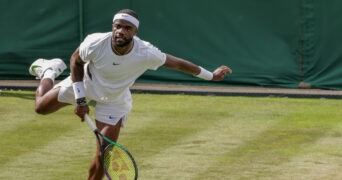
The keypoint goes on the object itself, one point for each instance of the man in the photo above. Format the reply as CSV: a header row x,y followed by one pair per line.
x,y
103,68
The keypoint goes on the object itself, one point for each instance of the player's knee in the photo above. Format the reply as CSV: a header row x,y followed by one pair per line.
x,y
41,110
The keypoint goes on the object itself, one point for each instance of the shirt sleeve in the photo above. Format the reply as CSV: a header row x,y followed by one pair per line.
x,y
156,57
87,47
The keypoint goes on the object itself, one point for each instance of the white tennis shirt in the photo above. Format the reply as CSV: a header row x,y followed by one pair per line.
x,y
112,75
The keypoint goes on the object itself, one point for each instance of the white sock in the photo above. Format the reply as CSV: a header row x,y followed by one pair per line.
x,y
49,73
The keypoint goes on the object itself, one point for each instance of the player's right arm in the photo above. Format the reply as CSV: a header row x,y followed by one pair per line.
x,y
76,67
77,73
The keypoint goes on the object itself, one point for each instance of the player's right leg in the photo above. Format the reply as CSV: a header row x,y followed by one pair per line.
x,y
46,95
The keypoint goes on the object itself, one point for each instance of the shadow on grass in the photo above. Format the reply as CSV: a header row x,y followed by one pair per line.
x,y
18,94
29,95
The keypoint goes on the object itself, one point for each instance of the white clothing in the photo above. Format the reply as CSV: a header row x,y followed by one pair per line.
x,y
109,113
111,75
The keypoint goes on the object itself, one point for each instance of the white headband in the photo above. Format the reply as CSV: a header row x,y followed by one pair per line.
x,y
127,17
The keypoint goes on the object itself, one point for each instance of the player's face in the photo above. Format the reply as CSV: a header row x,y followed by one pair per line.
x,y
123,32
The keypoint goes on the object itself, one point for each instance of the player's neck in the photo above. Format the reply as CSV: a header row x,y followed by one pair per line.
x,y
123,50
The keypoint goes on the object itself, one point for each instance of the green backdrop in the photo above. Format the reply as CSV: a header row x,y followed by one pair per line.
x,y
270,43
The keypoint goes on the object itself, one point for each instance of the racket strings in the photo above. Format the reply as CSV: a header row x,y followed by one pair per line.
x,y
119,164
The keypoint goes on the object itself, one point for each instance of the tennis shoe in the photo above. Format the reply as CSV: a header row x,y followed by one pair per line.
x,y
39,67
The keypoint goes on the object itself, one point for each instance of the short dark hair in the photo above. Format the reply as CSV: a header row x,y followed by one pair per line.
x,y
130,12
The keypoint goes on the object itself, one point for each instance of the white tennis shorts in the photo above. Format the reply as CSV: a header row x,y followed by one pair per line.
x,y
109,113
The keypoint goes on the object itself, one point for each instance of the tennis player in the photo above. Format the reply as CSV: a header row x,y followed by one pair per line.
x,y
103,68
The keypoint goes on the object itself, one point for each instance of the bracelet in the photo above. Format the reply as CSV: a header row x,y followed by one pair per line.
x,y
81,102
205,74
78,89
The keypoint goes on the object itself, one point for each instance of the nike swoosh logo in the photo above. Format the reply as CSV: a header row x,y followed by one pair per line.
x,y
115,64
34,67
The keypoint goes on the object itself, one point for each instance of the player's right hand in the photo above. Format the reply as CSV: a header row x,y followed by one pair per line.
x,y
81,111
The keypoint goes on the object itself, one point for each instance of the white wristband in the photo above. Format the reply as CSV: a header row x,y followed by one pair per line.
x,y
205,74
78,89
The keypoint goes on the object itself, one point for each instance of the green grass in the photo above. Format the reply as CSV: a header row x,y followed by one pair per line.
x,y
181,137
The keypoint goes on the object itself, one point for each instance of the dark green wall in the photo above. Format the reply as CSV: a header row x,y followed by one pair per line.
x,y
271,43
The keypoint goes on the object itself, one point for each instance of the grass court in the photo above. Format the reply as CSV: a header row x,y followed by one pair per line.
x,y
183,137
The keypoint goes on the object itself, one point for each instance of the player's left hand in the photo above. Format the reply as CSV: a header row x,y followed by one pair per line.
x,y
221,72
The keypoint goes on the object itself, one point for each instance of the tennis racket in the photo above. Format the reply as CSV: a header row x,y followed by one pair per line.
x,y
118,163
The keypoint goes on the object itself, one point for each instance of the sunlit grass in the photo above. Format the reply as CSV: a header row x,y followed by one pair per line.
x,y
181,137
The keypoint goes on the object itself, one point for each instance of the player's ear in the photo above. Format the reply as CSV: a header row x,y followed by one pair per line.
x,y
134,31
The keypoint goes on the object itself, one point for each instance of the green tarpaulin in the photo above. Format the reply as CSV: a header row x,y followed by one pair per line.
x,y
267,43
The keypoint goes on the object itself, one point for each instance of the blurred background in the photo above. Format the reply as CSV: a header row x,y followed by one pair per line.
x,y
267,43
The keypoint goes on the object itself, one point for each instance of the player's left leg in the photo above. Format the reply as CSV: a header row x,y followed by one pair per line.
x,y
110,117
46,96
96,171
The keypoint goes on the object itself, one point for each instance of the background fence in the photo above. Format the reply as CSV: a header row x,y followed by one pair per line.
x,y
271,43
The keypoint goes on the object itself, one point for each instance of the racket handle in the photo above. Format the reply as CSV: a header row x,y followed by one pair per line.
x,y
90,122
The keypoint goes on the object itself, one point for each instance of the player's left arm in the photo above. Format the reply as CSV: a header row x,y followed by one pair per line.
x,y
191,68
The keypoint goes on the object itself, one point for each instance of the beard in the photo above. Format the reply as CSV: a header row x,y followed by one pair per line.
x,y
122,43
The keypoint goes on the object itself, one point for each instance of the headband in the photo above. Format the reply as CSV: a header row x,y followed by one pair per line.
x,y
128,18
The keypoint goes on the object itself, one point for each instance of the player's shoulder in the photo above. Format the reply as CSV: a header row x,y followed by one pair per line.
x,y
91,43
95,38
145,48
142,44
